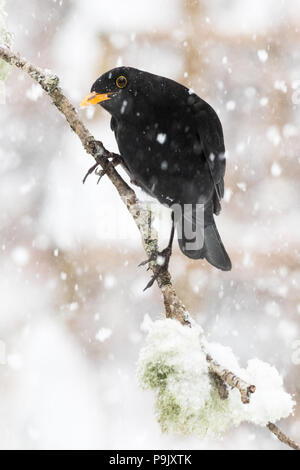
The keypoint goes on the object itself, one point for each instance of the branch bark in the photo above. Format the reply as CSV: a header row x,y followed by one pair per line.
x,y
232,380
282,437
174,307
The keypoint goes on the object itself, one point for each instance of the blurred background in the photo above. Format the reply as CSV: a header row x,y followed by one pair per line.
x,y
72,300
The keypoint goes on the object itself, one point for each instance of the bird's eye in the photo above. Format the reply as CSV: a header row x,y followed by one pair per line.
x,y
121,81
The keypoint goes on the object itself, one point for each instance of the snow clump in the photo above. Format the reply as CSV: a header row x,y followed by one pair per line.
x,y
173,364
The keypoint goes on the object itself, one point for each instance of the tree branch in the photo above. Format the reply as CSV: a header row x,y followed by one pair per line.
x,y
232,380
282,437
174,307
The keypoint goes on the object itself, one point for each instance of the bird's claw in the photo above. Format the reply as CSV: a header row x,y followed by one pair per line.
x,y
90,171
100,173
149,260
115,161
162,259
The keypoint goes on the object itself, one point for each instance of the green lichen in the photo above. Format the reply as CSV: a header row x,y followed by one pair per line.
x,y
213,418
174,365
156,374
187,401
167,408
175,418
4,70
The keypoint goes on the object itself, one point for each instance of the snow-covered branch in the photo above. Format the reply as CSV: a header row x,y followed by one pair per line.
x,y
232,380
174,364
174,308
5,38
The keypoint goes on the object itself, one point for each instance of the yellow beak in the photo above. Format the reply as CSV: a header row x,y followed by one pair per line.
x,y
95,98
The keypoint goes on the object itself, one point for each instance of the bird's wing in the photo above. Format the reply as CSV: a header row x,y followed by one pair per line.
x,y
211,138
113,124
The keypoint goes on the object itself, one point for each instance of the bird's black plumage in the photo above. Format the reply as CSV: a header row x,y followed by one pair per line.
x,y
171,142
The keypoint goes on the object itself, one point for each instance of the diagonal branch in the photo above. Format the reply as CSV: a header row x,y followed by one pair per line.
x,y
232,380
174,308
282,437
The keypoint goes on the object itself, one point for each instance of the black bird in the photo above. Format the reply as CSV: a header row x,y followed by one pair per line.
x,y
171,143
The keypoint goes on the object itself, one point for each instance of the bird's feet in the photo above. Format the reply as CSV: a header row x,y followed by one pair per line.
x,y
114,159
162,259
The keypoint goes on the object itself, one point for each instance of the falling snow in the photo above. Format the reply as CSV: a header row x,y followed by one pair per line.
x,y
262,55
103,334
71,293
161,138
276,170
231,105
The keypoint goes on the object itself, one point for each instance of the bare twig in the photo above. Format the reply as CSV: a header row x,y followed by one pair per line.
x,y
221,386
282,437
174,308
232,380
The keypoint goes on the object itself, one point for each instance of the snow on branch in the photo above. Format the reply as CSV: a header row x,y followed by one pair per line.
x,y
5,38
174,364
195,393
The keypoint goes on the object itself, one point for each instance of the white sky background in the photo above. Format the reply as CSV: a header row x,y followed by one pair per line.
x,y
62,387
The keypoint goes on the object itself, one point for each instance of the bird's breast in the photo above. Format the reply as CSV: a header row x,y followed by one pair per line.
x,y
163,157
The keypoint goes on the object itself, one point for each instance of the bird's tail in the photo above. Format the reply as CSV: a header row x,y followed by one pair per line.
x,y
204,241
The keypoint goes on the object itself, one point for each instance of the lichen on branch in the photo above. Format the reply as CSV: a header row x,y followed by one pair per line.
x,y
173,363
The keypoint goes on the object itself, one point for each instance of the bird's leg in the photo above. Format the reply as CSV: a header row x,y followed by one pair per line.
x,y
162,258
115,160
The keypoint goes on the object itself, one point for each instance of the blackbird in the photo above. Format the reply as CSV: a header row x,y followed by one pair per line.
x,y
171,143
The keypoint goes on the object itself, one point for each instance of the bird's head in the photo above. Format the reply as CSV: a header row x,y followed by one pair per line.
x,y
116,90
124,91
